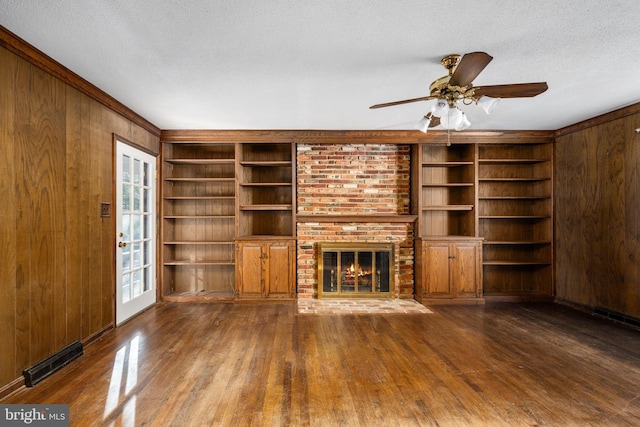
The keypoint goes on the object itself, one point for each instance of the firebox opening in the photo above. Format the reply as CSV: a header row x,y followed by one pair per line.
x,y
355,270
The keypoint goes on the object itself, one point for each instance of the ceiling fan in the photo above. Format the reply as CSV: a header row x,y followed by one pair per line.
x,y
457,87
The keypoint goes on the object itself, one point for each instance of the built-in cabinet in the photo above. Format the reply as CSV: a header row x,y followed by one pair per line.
x,y
447,249
449,270
499,193
265,269
220,202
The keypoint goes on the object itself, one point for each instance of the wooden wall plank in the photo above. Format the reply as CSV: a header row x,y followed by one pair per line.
x,y
8,367
611,136
106,186
597,195
43,158
77,249
93,304
23,218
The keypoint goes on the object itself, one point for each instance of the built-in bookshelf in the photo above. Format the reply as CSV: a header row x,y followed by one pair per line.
x,y
445,190
265,244
198,220
448,253
266,189
515,218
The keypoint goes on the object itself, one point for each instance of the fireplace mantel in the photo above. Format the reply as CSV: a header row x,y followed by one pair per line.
x,y
387,218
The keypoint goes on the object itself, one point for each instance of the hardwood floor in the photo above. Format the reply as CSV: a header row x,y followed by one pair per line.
x,y
189,364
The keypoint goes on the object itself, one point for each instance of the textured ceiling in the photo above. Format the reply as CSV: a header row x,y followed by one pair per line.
x,y
301,64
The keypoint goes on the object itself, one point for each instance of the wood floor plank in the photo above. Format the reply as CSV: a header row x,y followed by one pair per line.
x,y
194,364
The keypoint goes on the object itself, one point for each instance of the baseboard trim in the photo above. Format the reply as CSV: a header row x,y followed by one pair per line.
x,y
12,387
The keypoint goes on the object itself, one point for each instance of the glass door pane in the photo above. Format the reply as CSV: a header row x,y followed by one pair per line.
x,y
382,276
365,261
329,272
347,272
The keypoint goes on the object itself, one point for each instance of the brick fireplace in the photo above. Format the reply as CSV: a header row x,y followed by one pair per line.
x,y
354,193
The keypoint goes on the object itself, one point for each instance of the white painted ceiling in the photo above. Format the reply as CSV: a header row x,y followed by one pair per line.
x,y
319,64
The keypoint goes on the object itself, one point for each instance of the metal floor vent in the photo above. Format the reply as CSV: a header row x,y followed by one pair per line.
x,y
618,317
48,366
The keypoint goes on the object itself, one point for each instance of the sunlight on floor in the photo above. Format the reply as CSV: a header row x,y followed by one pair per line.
x,y
115,385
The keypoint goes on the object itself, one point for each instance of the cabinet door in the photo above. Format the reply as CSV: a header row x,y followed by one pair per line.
x,y
279,262
464,270
438,267
250,270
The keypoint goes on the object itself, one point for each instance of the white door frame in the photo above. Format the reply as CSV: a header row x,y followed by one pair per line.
x,y
135,239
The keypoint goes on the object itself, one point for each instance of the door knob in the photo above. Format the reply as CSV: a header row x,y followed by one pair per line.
x,y
122,244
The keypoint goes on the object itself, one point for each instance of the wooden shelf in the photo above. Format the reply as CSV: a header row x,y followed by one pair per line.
x,y
517,242
200,161
200,242
197,263
199,216
266,184
523,198
446,164
497,179
516,263
199,198
265,207
448,184
448,208
523,217
198,179
512,161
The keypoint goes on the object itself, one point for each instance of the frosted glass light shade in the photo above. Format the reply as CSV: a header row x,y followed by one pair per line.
x,y
464,123
423,124
488,104
440,108
451,119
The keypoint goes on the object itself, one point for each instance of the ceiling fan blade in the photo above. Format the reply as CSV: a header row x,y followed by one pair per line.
x,y
406,101
471,64
435,121
518,90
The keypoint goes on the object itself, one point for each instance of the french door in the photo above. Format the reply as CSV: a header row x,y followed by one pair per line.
x,y
135,231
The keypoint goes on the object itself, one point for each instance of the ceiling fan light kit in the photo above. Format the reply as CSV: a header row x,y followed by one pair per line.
x,y
488,104
423,124
456,87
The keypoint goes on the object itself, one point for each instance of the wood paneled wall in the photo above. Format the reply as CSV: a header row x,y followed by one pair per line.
x,y
597,215
56,167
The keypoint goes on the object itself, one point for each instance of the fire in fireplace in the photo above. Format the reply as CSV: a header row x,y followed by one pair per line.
x,y
352,270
